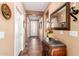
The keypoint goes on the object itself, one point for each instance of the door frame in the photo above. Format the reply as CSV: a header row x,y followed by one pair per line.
x,y
30,27
22,41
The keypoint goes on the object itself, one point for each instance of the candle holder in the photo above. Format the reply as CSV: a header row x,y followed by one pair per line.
x,y
74,12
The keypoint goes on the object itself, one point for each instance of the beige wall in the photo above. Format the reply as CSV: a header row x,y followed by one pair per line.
x,y
41,28
6,26
28,24
71,42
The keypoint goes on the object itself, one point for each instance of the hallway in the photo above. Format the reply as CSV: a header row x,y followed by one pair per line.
x,y
33,41
39,28
40,36
33,48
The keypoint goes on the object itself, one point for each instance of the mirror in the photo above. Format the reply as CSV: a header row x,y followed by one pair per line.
x,y
60,18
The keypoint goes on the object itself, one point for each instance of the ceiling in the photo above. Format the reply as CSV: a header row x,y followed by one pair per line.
x,y
35,6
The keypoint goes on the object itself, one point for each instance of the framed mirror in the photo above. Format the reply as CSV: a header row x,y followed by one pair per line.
x,y
60,18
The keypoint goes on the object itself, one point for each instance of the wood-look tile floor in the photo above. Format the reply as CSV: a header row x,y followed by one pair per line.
x,y
33,47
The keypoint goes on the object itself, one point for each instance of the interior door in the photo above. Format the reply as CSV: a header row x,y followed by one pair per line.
x,y
33,28
18,42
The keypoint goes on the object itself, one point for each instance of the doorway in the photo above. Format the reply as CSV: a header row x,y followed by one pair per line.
x,y
18,42
34,27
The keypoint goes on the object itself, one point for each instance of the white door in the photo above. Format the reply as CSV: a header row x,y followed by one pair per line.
x,y
33,28
18,32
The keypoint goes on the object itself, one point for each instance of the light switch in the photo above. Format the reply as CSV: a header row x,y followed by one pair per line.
x,y
61,32
2,35
73,33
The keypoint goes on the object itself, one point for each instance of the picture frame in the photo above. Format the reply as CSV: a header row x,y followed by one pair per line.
x,y
6,11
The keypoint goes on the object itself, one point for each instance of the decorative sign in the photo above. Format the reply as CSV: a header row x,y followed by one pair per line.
x,y
6,11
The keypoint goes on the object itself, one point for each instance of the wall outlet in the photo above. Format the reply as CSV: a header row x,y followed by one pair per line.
x,y
2,35
73,33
